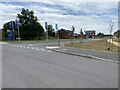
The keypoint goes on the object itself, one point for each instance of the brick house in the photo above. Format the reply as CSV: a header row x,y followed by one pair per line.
x,y
90,34
65,34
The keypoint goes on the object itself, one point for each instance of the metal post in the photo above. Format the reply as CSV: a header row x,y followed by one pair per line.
x,y
17,23
47,36
13,30
18,33
46,27
58,38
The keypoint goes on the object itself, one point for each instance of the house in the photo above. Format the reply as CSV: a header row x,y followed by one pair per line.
x,y
65,34
76,35
90,34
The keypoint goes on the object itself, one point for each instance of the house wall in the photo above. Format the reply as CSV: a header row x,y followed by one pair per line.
x,y
90,34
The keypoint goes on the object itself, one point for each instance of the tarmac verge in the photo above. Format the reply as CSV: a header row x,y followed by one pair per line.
x,y
54,48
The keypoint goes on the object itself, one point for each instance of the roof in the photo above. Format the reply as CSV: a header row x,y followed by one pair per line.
x,y
90,31
118,30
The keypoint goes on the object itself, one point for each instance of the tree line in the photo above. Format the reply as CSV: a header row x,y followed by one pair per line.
x,y
30,28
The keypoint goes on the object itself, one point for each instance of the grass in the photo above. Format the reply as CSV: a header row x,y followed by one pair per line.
x,y
100,45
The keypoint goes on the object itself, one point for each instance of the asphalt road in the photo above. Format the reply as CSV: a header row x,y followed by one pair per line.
x,y
33,66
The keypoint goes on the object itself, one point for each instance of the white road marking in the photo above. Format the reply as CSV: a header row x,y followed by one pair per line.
x,y
37,49
24,47
42,49
64,49
28,47
49,50
32,48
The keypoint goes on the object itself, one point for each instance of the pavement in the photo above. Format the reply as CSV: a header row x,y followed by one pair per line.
x,y
98,55
33,66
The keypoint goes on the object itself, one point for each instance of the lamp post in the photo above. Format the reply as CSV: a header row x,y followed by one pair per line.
x,y
17,26
56,27
46,27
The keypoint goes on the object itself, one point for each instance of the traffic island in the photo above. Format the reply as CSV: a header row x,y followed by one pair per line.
x,y
52,47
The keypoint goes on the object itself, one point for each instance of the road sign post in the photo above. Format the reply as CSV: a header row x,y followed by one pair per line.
x,y
56,27
46,27
17,26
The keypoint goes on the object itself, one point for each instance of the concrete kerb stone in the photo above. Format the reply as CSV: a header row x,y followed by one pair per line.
x,y
83,55
52,47
3,42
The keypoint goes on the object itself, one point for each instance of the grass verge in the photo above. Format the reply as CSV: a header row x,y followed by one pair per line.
x,y
100,45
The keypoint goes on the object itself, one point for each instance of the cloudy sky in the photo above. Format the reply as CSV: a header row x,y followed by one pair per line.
x,y
85,15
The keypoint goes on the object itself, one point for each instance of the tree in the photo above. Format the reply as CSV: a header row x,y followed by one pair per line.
x,y
30,28
100,35
117,34
51,31
81,33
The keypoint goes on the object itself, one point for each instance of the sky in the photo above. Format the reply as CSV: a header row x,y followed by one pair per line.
x,y
66,13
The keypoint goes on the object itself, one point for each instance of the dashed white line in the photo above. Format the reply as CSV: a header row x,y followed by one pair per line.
x,y
49,50
28,47
37,49
21,46
42,49
32,48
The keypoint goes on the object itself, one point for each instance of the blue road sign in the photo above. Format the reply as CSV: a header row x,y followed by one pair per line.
x,y
17,24
56,26
46,25
10,25
10,35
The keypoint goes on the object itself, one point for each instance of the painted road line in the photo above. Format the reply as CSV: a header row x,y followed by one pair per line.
x,y
49,50
52,47
42,49
64,49
38,49
24,47
32,48
21,46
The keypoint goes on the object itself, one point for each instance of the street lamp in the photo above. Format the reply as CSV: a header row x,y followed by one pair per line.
x,y
17,26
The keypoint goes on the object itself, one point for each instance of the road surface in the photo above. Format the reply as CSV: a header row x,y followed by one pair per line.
x,y
33,66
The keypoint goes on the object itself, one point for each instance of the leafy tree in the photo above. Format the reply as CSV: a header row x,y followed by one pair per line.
x,y
117,34
100,35
30,28
51,31
81,33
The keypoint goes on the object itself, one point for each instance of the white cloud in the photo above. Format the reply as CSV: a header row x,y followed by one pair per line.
x,y
56,14
49,1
